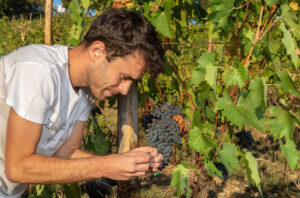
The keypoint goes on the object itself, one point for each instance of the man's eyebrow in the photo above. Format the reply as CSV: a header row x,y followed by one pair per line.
x,y
130,78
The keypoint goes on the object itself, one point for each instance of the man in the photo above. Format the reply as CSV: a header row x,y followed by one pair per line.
x,y
44,105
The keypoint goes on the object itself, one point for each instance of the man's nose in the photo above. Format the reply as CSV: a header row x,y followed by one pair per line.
x,y
125,86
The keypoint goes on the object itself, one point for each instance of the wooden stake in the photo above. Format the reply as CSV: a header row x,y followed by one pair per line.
x,y
128,119
30,17
48,21
128,135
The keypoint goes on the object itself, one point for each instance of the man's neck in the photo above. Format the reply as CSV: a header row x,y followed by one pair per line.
x,y
77,66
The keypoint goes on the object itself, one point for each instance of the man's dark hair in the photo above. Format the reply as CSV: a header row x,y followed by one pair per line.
x,y
123,32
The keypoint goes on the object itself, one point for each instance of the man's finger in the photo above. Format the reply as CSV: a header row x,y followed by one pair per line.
x,y
142,167
138,174
145,149
159,158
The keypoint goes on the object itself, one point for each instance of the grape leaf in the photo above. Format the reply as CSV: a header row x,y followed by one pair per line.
x,y
290,152
180,180
85,4
252,170
211,75
162,24
228,158
249,115
258,93
242,113
212,169
220,10
206,68
281,123
197,122
198,76
290,45
206,59
270,2
287,84
237,76
199,142
230,111
290,18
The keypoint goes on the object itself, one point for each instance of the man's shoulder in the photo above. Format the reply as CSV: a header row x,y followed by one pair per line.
x,y
38,53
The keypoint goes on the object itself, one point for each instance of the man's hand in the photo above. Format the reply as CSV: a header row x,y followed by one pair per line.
x,y
134,163
156,158
127,165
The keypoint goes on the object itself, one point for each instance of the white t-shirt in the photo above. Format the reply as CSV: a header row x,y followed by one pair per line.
x,y
34,81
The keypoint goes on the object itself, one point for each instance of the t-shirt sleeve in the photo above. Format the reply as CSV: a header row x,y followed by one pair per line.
x,y
85,109
29,91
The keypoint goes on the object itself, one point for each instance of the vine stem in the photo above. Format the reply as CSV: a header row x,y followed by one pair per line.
x,y
223,138
247,60
261,159
155,9
274,8
237,8
269,28
181,81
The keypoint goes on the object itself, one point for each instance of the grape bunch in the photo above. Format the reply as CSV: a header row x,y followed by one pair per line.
x,y
162,130
245,139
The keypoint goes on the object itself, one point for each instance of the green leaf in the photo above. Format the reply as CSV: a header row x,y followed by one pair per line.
x,y
290,18
72,190
290,45
199,142
242,113
228,158
230,111
198,76
162,24
281,123
206,59
287,84
206,68
290,151
237,76
39,189
252,170
85,4
258,93
197,119
220,10
180,180
211,75
212,169
249,115
101,145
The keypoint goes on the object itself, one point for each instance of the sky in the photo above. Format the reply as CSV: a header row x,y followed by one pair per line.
x,y
56,2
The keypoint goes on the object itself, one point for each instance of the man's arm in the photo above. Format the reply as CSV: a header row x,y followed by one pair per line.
x,y
71,148
23,165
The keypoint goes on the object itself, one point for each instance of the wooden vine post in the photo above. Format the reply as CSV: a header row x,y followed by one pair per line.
x,y
48,22
128,134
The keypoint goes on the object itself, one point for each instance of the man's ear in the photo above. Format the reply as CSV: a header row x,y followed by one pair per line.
x,y
97,50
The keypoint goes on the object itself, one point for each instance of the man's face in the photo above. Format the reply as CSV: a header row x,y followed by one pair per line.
x,y
109,78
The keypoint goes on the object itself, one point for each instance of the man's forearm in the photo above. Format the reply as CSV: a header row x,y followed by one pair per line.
x,y
42,169
79,154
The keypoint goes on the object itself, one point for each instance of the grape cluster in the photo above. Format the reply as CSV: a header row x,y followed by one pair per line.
x,y
162,130
98,188
245,139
